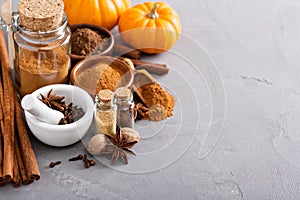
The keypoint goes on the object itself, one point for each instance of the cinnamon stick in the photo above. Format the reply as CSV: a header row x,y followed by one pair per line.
x,y
8,156
1,94
28,155
1,141
120,50
155,68
25,178
1,157
2,181
17,182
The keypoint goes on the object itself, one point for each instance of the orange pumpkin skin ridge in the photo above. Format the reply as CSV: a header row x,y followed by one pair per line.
x,y
103,13
150,35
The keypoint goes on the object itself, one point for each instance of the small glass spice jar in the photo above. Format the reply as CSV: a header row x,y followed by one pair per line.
x,y
125,107
41,57
105,113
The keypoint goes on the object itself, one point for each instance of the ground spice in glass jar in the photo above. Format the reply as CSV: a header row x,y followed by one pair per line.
x,y
125,107
42,45
105,114
37,69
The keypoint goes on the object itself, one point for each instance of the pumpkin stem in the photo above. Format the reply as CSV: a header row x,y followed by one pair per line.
x,y
153,14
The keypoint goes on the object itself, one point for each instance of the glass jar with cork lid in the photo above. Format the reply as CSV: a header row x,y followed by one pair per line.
x,y
41,45
125,107
105,113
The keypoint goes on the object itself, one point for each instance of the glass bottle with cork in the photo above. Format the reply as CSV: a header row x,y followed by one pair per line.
x,y
125,107
105,113
41,38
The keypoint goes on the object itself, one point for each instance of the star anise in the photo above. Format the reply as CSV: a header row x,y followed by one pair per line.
x,y
71,113
53,101
119,147
142,112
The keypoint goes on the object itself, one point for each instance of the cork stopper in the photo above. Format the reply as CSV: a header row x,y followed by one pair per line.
x,y
123,93
105,95
41,15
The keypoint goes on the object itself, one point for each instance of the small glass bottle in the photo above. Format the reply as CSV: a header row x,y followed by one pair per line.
x,y
125,107
105,113
41,57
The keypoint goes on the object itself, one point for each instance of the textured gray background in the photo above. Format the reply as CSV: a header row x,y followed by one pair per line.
x,y
255,46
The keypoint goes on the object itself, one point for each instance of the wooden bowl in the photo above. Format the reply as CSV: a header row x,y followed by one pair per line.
x,y
87,74
100,30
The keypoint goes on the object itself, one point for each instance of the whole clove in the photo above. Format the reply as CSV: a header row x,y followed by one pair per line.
x,y
71,113
86,161
53,164
79,157
77,112
92,162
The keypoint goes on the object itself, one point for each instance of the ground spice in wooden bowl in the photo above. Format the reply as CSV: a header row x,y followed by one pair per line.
x,y
88,39
97,73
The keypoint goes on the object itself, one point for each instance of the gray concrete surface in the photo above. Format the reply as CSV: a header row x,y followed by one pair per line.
x,y
254,45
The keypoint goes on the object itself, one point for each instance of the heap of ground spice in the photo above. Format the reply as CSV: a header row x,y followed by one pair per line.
x,y
86,41
109,79
159,103
153,94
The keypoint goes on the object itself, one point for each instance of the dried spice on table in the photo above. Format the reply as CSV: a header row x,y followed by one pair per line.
x,y
17,149
119,147
79,157
130,135
96,144
53,164
88,163
142,112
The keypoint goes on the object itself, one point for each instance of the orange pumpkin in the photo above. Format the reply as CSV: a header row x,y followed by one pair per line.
x,y
151,27
104,13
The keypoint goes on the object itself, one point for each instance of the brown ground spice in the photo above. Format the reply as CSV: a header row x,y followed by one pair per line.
x,y
109,79
86,41
40,68
154,94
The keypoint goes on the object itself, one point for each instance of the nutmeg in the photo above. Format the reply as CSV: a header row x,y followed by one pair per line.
x,y
96,144
130,134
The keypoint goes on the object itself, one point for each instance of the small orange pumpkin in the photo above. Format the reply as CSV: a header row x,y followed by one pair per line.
x,y
152,27
103,13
